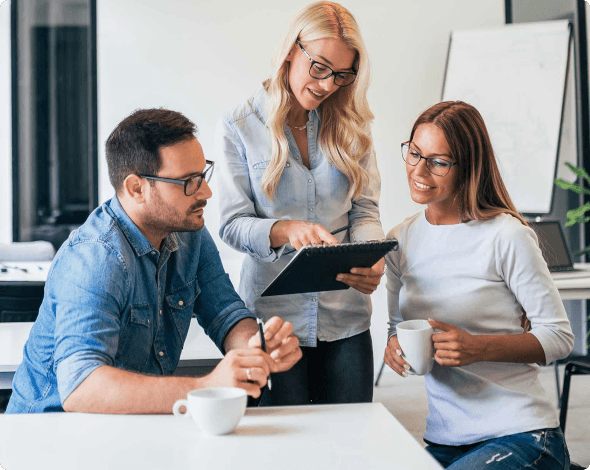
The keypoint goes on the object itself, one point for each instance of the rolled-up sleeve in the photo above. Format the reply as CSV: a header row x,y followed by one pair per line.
x,y
364,214
87,305
218,307
240,226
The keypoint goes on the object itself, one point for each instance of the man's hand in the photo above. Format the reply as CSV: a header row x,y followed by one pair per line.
x,y
454,346
243,368
281,344
365,280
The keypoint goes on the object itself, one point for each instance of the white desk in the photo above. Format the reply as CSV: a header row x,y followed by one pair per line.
x,y
573,288
307,437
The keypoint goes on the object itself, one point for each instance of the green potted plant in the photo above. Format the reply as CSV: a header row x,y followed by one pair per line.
x,y
578,215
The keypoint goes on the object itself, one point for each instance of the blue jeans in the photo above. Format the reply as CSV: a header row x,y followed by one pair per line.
x,y
543,449
332,372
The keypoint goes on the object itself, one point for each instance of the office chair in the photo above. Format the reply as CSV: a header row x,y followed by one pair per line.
x,y
577,367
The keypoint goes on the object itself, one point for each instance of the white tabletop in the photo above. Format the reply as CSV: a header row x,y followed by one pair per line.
x,y
24,271
307,437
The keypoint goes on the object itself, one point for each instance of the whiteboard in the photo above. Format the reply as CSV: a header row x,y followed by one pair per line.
x,y
515,76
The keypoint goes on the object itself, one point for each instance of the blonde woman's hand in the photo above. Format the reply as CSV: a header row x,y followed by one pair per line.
x,y
365,280
299,233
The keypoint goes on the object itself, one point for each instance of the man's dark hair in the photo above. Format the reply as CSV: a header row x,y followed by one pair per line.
x,y
134,146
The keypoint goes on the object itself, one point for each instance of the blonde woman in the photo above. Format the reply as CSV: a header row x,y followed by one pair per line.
x,y
297,162
471,265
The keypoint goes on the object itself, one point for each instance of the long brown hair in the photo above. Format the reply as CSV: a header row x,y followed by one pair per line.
x,y
481,194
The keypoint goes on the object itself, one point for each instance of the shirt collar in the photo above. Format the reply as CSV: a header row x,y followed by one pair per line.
x,y
134,235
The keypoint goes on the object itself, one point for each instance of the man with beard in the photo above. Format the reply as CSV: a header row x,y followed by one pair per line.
x,y
122,289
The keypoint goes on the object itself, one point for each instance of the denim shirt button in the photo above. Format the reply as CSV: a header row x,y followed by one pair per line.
x,y
160,312
161,353
153,253
309,181
181,303
311,209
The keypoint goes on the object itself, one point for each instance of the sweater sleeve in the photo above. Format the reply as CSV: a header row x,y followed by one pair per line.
x,y
526,274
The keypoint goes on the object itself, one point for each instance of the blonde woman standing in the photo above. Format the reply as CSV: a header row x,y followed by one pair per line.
x,y
297,162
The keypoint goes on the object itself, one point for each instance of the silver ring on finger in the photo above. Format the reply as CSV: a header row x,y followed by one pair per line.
x,y
249,374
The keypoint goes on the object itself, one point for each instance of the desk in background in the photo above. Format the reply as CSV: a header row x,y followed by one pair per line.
x,y
573,288
288,438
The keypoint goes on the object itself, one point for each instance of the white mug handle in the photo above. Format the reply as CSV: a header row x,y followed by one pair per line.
x,y
176,408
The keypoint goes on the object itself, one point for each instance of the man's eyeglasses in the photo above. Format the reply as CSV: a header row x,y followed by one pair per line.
x,y
435,165
191,185
321,71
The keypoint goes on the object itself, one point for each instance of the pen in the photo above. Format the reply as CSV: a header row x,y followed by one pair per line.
x,y
338,230
263,346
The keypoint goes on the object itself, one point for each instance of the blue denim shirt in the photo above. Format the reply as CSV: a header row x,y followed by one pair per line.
x,y
319,195
112,299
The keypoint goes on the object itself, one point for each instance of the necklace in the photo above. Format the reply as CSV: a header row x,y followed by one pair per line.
x,y
299,128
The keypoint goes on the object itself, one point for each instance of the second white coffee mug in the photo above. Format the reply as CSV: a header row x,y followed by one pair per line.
x,y
216,410
415,341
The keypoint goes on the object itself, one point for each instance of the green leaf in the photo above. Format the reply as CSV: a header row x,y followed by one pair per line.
x,y
571,186
583,252
580,172
576,216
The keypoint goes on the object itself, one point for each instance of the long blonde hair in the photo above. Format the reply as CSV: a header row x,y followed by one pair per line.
x,y
482,194
344,136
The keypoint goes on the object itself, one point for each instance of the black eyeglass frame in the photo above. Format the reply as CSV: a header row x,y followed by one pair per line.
x,y
426,159
205,175
332,73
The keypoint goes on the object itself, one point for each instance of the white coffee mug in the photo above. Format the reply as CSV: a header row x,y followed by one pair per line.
x,y
216,410
415,341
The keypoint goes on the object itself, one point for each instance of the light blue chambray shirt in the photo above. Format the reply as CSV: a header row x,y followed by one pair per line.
x,y
319,195
112,299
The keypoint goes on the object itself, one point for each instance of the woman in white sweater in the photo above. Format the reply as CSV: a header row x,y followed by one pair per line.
x,y
471,265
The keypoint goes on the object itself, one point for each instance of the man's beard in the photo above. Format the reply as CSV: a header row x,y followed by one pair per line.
x,y
166,218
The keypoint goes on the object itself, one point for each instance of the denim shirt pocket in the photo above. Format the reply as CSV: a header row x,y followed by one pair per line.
x,y
135,341
180,302
284,187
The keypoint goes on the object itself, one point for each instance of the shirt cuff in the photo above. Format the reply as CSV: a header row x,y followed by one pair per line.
x,y
73,370
259,241
224,323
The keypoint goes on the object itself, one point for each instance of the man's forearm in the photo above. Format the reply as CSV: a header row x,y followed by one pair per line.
x,y
240,334
116,391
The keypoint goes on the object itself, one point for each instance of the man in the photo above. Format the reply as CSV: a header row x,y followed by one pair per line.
x,y
122,289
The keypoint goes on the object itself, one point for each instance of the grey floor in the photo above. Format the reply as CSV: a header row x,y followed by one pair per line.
x,y
405,398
